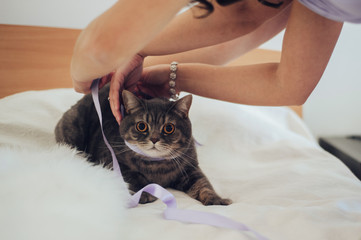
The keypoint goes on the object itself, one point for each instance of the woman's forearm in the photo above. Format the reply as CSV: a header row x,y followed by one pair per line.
x,y
226,24
253,85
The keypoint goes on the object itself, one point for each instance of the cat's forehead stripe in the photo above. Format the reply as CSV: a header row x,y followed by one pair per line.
x,y
147,117
153,117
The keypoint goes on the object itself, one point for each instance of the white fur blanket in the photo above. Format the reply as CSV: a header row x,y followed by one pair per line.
x,y
282,184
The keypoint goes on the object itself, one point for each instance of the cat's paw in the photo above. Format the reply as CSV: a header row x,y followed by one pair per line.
x,y
146,198
216,200
223,201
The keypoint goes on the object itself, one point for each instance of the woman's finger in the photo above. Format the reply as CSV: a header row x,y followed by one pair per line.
x,y
115,87
105,79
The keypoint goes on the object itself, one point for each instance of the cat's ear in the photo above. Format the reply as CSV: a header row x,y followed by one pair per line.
x,y
131,102
183,105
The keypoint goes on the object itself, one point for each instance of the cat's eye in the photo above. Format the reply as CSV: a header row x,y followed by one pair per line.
x,y
142,127
168,128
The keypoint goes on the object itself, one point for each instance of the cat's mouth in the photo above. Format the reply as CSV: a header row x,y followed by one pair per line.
x,y
159,151
154,153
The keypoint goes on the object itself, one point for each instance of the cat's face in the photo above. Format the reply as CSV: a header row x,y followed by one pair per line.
x,y
158,129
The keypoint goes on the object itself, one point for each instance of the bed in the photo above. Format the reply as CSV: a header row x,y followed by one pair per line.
x,y
283,185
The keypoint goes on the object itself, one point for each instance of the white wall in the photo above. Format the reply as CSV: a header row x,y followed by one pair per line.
x,y
53,13
334,108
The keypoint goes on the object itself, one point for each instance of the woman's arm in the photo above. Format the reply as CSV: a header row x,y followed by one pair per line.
x,y
112,39
308,44
223,53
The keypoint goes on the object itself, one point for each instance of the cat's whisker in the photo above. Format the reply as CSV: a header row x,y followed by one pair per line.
x,y
179,165
183,153
120,147
181,156
113,146
121,152
117,143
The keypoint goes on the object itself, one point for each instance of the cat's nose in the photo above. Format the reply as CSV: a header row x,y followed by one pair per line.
x,y
154,140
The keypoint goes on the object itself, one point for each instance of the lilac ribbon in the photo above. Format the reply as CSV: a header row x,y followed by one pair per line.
x,y
171,212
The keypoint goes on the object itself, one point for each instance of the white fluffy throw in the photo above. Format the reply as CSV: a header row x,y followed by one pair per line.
x,y
56,194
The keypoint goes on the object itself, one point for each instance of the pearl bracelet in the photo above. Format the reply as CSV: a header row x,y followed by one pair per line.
x,y
172,78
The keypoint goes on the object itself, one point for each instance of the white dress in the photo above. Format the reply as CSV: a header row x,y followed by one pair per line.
x,y
338,10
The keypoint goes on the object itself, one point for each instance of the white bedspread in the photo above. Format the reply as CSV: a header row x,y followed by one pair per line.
x,y
282,184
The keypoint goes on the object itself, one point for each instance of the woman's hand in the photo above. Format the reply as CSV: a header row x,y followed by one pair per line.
x,y
124,78
155,81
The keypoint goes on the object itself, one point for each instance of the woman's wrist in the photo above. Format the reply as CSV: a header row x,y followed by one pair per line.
x,y
174,94
197,78
184,77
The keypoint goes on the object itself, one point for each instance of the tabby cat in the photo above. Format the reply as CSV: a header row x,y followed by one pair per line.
x,y
153,143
